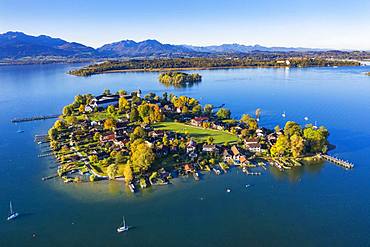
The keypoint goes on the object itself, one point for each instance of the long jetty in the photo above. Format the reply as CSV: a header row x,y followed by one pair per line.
x,y
29,119
344,163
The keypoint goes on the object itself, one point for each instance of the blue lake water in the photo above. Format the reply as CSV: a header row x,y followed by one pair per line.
x,y
321,205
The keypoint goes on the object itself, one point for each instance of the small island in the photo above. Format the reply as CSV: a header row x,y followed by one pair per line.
x,y
149,140
179,79
368,73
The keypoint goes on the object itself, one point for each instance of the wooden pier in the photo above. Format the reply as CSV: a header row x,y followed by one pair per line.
x,y
344,163
29,119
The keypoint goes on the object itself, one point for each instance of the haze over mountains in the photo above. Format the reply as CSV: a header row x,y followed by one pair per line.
x,y
16,45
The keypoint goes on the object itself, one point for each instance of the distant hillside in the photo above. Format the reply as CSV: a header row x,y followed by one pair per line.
x,y
237,48
130,48
14,45
19,48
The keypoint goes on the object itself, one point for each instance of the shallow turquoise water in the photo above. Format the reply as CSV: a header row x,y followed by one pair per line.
x,y
321,205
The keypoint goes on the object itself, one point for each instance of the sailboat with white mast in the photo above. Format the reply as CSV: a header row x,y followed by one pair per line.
x,y
12,214
123,227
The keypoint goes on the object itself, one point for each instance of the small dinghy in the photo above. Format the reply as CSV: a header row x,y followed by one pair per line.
x,y
12,214
123,227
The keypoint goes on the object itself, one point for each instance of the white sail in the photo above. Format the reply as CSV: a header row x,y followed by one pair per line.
x,y
11,207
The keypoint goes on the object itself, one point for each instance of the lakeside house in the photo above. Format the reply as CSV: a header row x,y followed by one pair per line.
x,y
103,101
236,153
210,148
107,138
198,121
227,156
252,145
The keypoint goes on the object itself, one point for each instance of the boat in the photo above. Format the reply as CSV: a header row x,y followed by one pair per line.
x,y
12,214
283,115
20,131
306,118
123,227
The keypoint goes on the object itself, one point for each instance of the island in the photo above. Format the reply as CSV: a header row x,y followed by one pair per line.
x,y
149,140
179,79
200,63
368,73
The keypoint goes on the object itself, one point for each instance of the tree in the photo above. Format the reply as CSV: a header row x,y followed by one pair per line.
x,y
111,110
316,139
143,110
142,156
71,120
197,110
291,128
112,171
120,158
67,110
109,124
53,133
96,136
210,140
106,92
281,147
208,109
185,109
245,118
138,133
122,92
134,115
93,159
165,140
58,124
297,145
223,113
122,103
81,109
252,124
127,173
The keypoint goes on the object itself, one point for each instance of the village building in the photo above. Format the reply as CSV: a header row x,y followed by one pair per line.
x,y
107,138
252,145
209,148
197,121
227,156
236,153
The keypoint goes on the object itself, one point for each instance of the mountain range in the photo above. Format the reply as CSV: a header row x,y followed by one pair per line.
x,y
17,45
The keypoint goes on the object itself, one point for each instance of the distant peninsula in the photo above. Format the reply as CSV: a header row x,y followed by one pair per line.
x,y
179,78
171,64
149,140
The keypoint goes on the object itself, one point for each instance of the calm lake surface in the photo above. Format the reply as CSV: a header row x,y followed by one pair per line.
x,y
320,205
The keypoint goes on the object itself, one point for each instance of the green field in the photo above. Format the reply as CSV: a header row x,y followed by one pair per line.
x,y
198,134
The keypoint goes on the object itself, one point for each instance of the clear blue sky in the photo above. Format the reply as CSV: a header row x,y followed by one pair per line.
x,y
300,23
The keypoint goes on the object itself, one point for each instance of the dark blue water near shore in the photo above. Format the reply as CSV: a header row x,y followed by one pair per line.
x,y
322,205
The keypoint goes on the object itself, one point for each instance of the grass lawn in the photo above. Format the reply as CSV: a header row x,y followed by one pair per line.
x,y
198,134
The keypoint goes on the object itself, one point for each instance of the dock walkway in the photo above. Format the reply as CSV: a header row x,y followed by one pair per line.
x,y
344,163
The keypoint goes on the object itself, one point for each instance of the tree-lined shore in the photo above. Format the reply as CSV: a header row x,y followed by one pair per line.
x,y
205,63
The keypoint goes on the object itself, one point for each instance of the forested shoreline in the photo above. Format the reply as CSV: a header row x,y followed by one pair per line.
x,y
203,63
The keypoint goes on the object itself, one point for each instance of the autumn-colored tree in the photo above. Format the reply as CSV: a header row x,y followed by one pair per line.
x,y
297,145
127,173
223,113
142,156
281,147
112,171
109,124
81,109
122,103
